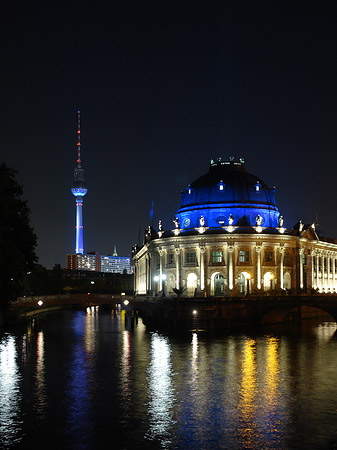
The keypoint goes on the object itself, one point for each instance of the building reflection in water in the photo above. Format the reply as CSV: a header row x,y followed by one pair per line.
x,y
261,412
10,397
325,331
247,427
40,390
81,384
272,413
161,396
126,389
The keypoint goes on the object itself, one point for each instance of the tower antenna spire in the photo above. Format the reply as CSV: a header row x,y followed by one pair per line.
x,y
78,138
79,190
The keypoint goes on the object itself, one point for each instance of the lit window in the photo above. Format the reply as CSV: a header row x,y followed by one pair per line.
x,y
217,256
170,259
221,185
244,256
190,258
268,256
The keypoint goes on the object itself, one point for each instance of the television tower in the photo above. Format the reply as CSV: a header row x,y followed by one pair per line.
x,y
79,190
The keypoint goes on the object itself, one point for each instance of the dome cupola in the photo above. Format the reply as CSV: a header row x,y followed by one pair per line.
x,y
228,195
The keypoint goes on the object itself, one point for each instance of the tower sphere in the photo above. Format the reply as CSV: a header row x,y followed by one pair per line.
x,y
226,192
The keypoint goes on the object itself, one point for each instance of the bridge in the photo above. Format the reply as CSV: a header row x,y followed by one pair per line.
x,y
233,311
183,313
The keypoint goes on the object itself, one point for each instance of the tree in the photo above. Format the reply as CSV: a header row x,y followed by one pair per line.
x,y
17,238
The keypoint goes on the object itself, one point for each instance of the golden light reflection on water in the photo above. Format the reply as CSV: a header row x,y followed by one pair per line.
x,y
126,368
260,403
247,406
272,372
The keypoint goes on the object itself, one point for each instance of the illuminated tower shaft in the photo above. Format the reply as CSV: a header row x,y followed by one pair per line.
x,y
79,226
79,190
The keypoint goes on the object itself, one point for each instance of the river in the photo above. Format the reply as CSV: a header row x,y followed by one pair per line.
x,y
88,380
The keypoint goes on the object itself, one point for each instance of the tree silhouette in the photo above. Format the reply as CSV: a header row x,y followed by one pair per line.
x,y
17,239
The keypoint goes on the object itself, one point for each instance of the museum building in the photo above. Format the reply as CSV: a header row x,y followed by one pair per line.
x,y
228,238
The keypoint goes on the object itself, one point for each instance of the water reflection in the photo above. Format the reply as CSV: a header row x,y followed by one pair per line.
x,y
160,391
81,383
272,416
40,394
81,380
325,331
194,359
10,397
247,406
126,391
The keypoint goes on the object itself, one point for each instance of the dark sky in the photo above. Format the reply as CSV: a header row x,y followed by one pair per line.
x,y
163,87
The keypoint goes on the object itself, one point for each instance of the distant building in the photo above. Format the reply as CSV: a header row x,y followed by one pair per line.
x,y
228,239
115,264
100,263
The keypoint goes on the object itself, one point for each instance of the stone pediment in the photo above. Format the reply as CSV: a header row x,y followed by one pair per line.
x,y
309,233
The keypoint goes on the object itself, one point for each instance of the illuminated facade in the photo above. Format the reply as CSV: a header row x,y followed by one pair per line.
x,y
79,190
115,264
228,238
100,263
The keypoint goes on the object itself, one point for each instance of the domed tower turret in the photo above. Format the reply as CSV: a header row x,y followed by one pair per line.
x,y
227,195
79,190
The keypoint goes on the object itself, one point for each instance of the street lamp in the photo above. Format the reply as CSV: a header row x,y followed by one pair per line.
x,y
161,278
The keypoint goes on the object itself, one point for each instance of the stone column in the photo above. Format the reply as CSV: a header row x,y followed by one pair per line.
x,y
147,269
317,271
328,284
281,250
160,269
301,251
230,267
202,267
135,278
323,273
258,266
333,286
178,268
312,255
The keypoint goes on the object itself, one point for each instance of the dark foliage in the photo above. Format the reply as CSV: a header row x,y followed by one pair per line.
x,y
17,239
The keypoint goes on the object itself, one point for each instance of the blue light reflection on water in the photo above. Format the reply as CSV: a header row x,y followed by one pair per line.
x,y
82,379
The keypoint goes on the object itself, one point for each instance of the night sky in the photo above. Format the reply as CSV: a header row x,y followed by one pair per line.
x,y
162,87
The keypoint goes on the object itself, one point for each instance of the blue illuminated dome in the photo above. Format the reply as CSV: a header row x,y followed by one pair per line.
x,y
228,195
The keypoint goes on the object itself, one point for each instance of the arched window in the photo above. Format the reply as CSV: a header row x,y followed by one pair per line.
x,y
287,281
268,281
170,283
192,280
244,283
219,284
